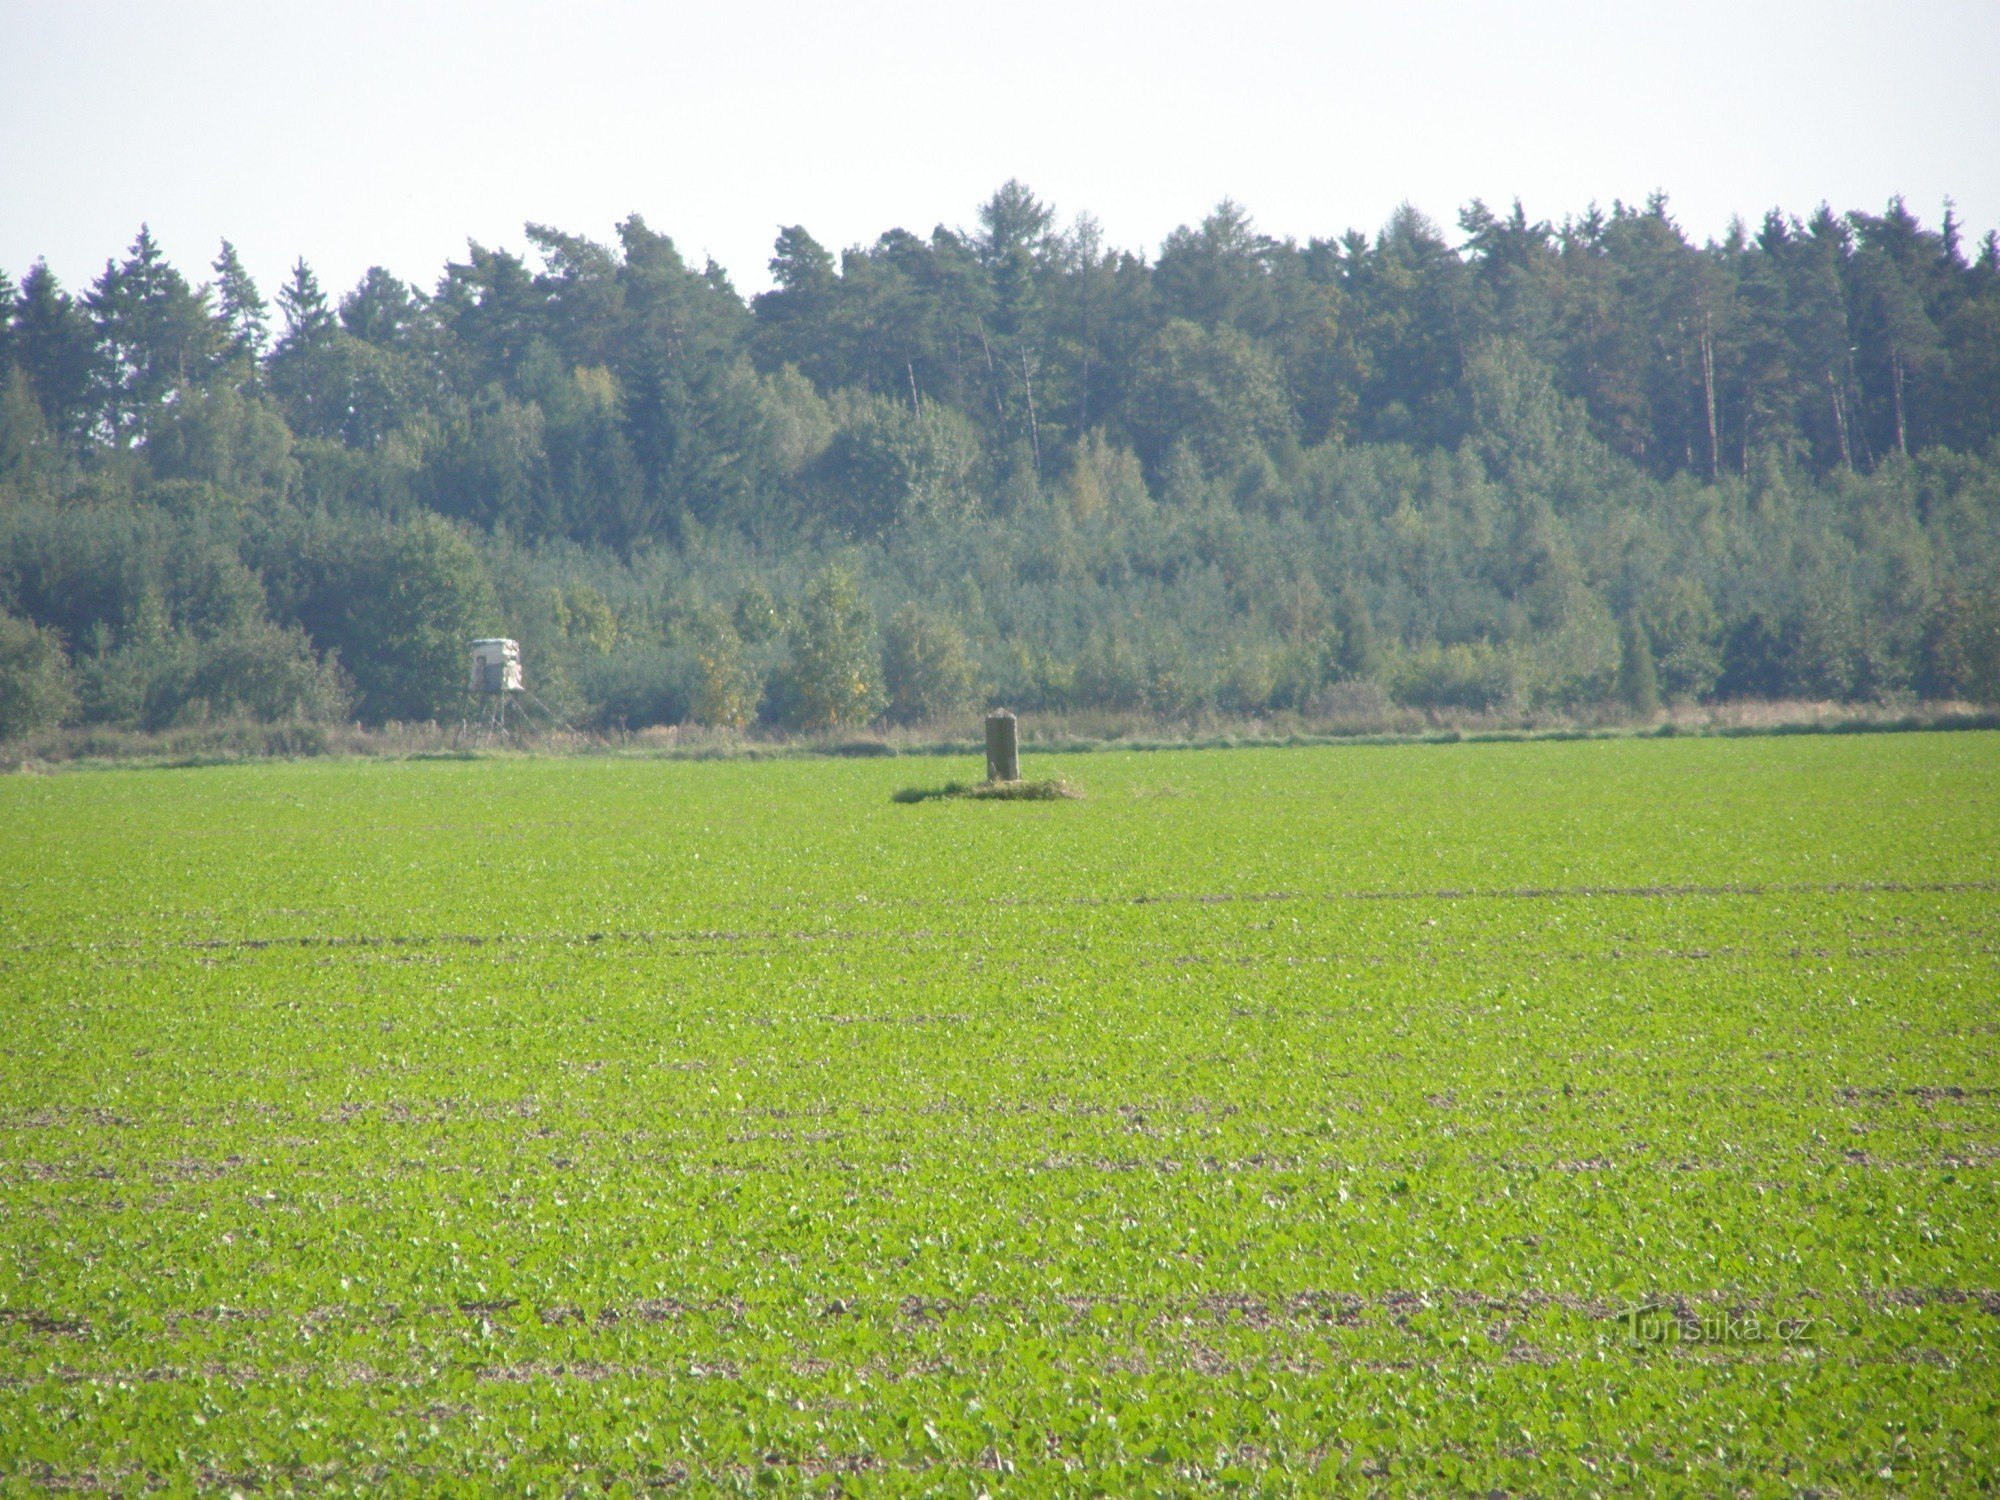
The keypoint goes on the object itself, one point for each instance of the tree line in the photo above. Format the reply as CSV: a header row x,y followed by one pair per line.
x,y
1531,466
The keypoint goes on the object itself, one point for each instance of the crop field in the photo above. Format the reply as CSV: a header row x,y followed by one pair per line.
x,y
1532,1118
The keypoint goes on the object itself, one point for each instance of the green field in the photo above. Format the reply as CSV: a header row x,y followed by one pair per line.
x,y
1281,1119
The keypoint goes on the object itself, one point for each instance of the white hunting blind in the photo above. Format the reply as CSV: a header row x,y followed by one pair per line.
x,y
496,666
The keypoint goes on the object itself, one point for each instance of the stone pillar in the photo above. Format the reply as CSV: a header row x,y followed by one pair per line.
x,y
1003,746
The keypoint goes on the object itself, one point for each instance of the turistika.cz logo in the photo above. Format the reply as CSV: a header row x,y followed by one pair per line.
x,y
1656,1323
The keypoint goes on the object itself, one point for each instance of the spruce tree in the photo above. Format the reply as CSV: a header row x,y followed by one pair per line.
x,y
52,345
1638,683
241,307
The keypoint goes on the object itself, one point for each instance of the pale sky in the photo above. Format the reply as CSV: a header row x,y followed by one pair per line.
x,y
358,133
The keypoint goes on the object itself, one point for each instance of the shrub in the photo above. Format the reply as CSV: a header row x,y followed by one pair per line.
x,y
265,673
256,672
925,668
641,683
35,691
1961,647
726,686
832,679
1477,676
419,595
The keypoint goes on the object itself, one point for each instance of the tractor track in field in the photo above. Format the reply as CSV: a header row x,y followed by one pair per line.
x,y
1256,1311
1182,1355
728,937
1558,893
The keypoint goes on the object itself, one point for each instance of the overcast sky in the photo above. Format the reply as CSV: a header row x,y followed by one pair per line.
x,y
359,133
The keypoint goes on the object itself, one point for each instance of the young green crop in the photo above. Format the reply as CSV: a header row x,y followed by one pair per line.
x,y
1527,1117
